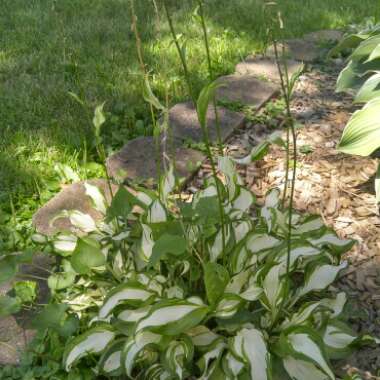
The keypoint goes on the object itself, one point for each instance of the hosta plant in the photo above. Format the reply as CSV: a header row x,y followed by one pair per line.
x,y
159,297
361,77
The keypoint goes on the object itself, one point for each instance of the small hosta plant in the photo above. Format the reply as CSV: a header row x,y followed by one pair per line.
x,y
160,298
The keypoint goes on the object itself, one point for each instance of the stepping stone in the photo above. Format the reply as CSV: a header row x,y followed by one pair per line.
x,y
245,90
15,331
298,49
72,197
322,36
136,161
309,48
266,67
15,340
184,122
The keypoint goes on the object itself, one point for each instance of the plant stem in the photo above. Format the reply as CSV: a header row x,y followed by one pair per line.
x,y
41,268
32,276
180,53
211,75
146,78
290,125
285,90
203,127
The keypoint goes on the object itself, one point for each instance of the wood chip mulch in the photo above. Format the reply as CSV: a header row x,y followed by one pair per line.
x,y
336,186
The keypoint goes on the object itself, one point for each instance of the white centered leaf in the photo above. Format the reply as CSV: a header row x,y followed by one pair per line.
x,y
321,278
303,344
250,346
302,370
91,342
97,197
121,294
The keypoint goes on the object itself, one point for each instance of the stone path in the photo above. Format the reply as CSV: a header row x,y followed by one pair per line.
x,y
183,120
15,330
137,161
71,197
254,83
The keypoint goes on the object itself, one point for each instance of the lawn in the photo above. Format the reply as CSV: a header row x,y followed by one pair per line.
x,y
50,50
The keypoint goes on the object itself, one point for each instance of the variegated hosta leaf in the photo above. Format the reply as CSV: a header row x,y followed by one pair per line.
x,y
216,248
202,337
238,281
174,292
249,346
301,370
330,240
301,316
132,294
97,197
251,293
209,191
177,355
65,244
241,230
110,361
232,366
227,167
134,315
82,221
93,341
261,242
306,345
157,372
228,306
310,225
152,283
209,362
320,278
274,287
336,305
241,203
147,242
156,213
297,252
272,199
338,336
167,184
173,317
135,345
239,259
144,198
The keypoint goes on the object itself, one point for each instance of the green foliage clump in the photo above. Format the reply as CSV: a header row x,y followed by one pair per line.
x,y
159,296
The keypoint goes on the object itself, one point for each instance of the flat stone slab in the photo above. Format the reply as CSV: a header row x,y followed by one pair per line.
x,y
13,340
15,331
185,126
298,49
265,67
136,161
322,36
245,90
72,197
309,48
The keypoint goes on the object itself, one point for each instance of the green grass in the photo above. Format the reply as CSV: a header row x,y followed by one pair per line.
x,y
49,48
